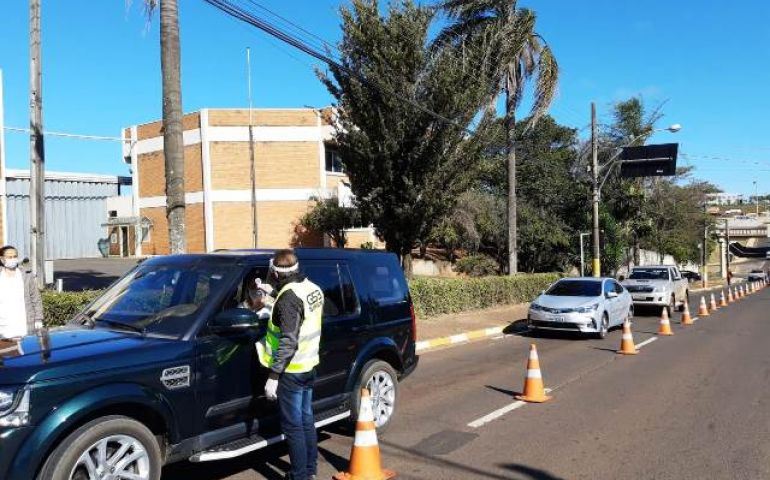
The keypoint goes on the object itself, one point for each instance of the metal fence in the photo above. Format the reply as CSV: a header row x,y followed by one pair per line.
x,y
75,211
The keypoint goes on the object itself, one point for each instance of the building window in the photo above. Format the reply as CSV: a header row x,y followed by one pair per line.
x,y
145,232
333,161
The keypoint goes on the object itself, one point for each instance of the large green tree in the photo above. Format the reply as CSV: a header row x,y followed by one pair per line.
x,y
406,164
513,54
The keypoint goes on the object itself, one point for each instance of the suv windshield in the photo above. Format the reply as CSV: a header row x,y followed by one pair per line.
x,y
576,288
158,299
649,274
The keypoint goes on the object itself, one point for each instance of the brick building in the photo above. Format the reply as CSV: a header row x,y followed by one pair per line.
x,y
294,162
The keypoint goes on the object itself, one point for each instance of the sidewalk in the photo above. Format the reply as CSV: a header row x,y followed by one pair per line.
x,y
457,323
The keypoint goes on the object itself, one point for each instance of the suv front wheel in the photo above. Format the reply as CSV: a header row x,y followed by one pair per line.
x,y
382,382
112,447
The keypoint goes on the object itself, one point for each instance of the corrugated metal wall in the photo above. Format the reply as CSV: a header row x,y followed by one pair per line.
x,y
75,211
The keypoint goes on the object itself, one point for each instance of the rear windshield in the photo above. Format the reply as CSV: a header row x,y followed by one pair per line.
x,y
649,274
575,288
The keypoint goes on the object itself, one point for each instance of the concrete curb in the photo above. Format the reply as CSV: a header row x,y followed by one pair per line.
x,y
434,343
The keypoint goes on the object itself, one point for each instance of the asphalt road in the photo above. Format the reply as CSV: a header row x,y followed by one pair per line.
x,y
692,406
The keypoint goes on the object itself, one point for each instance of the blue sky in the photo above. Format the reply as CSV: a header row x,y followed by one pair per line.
x,y
710,61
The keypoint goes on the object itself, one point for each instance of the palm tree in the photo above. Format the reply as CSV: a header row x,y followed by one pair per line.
x,y
173,142
513,55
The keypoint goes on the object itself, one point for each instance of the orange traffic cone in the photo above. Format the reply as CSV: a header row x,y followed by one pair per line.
x,y
713,304
722,299
686,318
730,298
703,311
740,292
627,346
533,382
365,457
665,325
737,292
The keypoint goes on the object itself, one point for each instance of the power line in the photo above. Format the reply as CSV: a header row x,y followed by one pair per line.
x,y
69,135
239,13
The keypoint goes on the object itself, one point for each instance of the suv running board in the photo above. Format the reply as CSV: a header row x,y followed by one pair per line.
x,y
242,446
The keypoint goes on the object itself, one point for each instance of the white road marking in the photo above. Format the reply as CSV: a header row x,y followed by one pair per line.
x,y
499,412
646,342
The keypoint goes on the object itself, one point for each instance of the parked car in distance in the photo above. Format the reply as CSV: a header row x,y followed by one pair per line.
x,y
691,276
757,275
584,304
163,367
658,286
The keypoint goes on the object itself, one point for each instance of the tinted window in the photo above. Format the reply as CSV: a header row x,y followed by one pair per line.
x,y
618,287
327,276
349,295
649,274
385,283
575,288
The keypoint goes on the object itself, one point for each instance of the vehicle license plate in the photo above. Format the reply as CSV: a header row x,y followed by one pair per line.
x,y
558,319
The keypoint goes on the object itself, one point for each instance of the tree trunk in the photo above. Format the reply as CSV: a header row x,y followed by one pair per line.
x,y
510,131
173,143
406,261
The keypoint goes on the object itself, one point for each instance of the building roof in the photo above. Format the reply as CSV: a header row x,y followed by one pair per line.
x,y
72,177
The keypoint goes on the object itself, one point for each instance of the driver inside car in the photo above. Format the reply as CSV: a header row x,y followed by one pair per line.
x,y
257,297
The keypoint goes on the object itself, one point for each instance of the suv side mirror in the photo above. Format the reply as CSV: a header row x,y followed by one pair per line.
x,y
611,295
234,320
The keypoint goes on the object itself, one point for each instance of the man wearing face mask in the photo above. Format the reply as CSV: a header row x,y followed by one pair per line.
x,y
290,350
21,308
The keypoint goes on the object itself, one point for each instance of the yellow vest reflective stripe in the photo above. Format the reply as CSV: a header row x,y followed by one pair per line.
x,y
309,339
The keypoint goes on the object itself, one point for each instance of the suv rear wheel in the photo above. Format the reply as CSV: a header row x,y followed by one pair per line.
x,y
108,448
381,380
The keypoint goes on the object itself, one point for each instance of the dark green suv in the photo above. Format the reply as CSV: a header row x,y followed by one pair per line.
x,y
162,367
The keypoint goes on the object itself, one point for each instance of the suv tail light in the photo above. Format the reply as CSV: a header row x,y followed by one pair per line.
x,y
414,322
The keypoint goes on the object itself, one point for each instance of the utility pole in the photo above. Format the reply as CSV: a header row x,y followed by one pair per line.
x,y
597,271
756,198
252,162
704,250
36,149
727,238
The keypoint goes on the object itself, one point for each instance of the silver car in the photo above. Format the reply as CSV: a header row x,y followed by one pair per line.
x,y
584,304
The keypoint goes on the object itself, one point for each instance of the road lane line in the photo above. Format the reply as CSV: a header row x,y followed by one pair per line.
x,y
646,342
499,412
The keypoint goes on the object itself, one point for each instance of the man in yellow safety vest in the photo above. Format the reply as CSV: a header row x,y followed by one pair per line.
x,y
290,351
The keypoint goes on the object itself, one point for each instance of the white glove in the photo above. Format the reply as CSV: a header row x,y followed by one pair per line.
x,y
271,389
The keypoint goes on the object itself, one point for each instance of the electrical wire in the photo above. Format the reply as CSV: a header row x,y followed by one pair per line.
x,y
227,7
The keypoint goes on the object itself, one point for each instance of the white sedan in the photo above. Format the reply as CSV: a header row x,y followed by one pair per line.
x,y
585,304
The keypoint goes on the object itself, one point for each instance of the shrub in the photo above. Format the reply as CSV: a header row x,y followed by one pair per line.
x,y
59,307
434,296
477,265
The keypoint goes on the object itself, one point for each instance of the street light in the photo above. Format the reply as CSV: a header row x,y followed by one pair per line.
x,y
597,186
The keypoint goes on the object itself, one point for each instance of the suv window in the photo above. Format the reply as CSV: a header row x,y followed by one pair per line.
x,y
159,299
340,297
385,285
618,287
608,287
